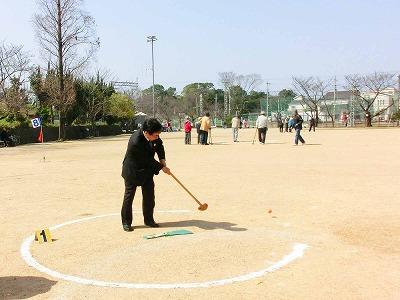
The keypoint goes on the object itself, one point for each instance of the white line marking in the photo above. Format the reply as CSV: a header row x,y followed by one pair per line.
x,y
297,252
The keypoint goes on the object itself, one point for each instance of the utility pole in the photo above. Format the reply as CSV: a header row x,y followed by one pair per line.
x,y
398,92
201,104
216,104
334,103
352,116
267,97
152,39
200,99
279,107
398,97
225,98
229,101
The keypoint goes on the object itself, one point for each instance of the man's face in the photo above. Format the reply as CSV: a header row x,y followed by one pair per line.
x,y
152,137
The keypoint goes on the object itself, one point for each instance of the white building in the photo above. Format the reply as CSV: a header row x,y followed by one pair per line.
x,y
389,97
298,104
343,102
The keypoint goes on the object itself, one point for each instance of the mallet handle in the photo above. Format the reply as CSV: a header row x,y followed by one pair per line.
x,y
180,183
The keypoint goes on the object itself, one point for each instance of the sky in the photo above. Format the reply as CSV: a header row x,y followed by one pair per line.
x,y
196,40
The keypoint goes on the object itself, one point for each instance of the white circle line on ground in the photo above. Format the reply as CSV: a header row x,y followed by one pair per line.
x,y
297,252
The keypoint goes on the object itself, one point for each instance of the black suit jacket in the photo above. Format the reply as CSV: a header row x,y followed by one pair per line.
x,y
139,164
298,122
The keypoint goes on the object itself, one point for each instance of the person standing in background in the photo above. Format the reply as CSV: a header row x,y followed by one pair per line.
x,y
188,131
205,126
312,124
298,126
262,127
235,127
286,124
280,123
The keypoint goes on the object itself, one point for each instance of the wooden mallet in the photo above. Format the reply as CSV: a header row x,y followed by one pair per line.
x,y
203,206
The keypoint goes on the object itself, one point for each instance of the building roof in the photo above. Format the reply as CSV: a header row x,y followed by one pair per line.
x,y
345,95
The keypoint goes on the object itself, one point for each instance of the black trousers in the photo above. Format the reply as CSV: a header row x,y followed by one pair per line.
x,y
261,134
203,137
148,202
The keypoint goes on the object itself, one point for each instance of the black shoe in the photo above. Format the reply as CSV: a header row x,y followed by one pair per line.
x,y
152,224
127,227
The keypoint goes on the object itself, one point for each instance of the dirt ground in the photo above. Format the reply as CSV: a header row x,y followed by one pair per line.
x,y
338,194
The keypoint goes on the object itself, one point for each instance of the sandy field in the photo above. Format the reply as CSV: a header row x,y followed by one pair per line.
x,y
333,231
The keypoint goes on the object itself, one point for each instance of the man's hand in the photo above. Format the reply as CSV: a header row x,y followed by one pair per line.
x,y
163,162
166,170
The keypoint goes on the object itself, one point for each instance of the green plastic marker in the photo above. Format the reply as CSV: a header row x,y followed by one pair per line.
x,y
168,233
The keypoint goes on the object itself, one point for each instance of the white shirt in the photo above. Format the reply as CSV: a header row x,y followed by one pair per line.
x,y
261,121
235,122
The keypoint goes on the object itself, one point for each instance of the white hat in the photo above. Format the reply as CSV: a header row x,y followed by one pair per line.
x,y
262,112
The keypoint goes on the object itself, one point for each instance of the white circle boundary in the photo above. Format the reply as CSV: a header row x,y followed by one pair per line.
x,y
297,252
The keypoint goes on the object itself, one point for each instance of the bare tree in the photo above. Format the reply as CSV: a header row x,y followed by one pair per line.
x,y
52,89
144,103
367,88
249,82
313,91
328,108
14,62
227,79
63,28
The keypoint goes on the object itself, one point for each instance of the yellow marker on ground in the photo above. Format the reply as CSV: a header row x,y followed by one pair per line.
x,y
43,236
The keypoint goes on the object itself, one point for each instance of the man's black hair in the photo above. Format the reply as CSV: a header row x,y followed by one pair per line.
x,y
207,114
151,125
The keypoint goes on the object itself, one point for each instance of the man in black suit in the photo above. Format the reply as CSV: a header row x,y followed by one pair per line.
x,y
138,169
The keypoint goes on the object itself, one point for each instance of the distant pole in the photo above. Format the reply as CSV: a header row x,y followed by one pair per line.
x,y
398,96
152,39
225,98
398,92
279,106
267,97
352,121
334,103
216,104
229,101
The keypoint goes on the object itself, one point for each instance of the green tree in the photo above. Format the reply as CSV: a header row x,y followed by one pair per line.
x,y
43,108
92,97
16,100
253,101
287,94
193,93
119,109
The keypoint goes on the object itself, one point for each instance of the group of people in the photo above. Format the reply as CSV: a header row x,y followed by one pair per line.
x,y
139,165
203,127
294,122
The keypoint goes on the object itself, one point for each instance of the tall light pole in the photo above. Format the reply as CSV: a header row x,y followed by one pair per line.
x,y
152,39
267,97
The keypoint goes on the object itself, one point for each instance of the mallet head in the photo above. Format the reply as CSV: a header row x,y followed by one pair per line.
x,y
203,206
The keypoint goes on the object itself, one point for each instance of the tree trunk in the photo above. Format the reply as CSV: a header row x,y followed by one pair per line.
x,y
368,119
61,130
51,115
